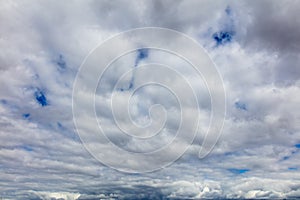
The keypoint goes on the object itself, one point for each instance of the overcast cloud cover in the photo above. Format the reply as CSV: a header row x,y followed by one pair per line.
x,y
255,46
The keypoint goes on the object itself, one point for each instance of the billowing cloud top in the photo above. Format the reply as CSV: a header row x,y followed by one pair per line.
x,y
255,46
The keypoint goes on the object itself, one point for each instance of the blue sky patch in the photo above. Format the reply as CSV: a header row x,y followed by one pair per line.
x,y
131,84
27,148
238,171
59,125
292,168
297,146
142,54
222,37
285,157
41,98
228,10
240,105
3,101
226,31
26,115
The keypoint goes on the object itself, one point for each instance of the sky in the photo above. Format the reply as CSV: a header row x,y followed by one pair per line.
x,y
51,149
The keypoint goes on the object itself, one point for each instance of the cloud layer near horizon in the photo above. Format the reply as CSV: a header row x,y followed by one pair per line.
x,y
255,45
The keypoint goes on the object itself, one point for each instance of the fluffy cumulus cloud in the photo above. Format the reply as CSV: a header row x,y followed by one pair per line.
x,y
255,47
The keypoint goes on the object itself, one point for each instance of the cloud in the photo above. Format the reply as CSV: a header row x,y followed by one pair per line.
x,y
255,46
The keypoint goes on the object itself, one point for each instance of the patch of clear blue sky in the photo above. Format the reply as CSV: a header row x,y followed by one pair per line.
x,y
292,168
142,54
238,171
228,10
3,101
222,37
293,152
240,105
41,98
27,148
285,157
26,115
226,34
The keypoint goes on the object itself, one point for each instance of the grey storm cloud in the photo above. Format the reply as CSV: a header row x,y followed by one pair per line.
x,y
255,46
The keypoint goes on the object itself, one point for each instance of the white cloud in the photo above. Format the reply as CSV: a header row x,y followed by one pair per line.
x,y
41,155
